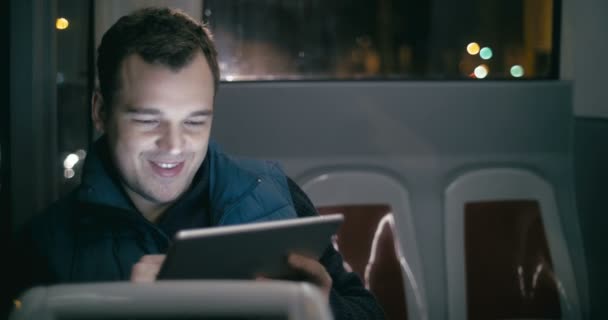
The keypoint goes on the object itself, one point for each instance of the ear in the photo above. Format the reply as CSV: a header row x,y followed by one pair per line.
x,y
98,111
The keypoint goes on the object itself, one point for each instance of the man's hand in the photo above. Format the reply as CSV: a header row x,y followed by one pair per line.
x,y
313,270
147,268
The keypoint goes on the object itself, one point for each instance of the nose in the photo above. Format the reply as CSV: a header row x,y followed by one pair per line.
x,y
171,140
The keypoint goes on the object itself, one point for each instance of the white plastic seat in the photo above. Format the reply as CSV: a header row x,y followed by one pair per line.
x,y
173,300
506,185
364,188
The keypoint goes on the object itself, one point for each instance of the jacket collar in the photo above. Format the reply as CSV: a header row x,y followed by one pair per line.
x,y
100,180
230,180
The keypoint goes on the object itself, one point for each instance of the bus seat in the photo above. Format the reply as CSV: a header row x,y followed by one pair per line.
x,y
366,241
377,222
174,300
505,251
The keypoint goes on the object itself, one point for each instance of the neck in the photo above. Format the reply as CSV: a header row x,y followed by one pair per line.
x,y
153,214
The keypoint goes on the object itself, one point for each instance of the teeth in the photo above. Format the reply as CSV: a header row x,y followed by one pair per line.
x,y
167,165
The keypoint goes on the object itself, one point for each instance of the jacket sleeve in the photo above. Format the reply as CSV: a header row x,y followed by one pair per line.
x,y
348,299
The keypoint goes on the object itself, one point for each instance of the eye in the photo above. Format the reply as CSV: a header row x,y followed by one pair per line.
x,y
146,122
194,123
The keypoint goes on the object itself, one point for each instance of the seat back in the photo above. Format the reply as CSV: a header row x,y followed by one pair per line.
x,y
377,224
174,300
506,254
510,273
369,247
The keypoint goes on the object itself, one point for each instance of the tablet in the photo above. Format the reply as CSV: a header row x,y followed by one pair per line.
x,y
247,250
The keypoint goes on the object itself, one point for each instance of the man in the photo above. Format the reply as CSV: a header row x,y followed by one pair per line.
x,y
154,172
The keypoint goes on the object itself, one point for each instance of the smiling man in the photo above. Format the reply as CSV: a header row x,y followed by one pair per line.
x,y
158,128
154,172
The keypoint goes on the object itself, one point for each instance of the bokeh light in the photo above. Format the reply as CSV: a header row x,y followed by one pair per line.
x,y
486,53
481,71
70,161
517,71
473,48
81,154
62,23
69,173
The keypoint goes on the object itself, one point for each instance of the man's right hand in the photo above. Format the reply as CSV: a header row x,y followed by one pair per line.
x,y
147,268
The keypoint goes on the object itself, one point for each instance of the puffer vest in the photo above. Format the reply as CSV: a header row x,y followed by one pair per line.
x,y
95,234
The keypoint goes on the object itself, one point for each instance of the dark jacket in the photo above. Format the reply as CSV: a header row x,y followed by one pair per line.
x,y
96,234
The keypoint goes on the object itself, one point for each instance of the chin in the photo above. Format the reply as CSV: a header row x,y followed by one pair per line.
x,y
162,192
166,198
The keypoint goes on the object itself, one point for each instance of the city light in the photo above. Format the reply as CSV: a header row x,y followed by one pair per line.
x,y
70,161
473,48
81,153
69,173
486,53
481,71
517,71
62,24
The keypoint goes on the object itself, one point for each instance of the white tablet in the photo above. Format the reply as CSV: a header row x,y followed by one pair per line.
x,y
247,250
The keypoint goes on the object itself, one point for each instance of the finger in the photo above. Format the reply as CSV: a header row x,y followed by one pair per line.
x,y
262,278
153,258
312,268
144,272
303,263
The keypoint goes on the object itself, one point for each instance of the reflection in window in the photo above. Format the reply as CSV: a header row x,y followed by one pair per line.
x,y
383,39
509,270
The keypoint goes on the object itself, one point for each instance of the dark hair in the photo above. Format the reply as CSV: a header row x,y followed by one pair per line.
x,y
158,35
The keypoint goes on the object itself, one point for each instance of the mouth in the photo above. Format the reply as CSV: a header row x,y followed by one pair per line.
x,y
167,169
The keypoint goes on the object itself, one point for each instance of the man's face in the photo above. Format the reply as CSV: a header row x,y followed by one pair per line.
x,y
158,127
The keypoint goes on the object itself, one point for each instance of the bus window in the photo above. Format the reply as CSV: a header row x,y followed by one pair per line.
x,y
384,39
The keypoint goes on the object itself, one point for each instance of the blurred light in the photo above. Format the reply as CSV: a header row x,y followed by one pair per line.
x,y
81,154
207,12
517,71
473,48
229,78
17,304
485,53
481,71
70,161
62,23
69,173
60,78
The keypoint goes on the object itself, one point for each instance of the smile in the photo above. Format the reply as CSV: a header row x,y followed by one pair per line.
x,y
167,169
166,165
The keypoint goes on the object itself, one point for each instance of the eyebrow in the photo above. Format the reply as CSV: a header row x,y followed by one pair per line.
x,y
151,111
134,110
201,113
